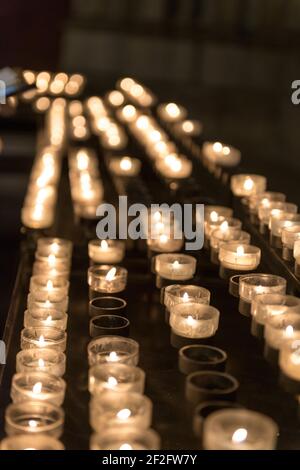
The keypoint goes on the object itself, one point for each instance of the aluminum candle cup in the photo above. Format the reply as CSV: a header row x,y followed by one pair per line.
x,y
54,246
175,267
105,325
289,363
235,257
116,377
264,306
221,154
41,360
43,317
30,442
107,279
119,409
239,430
177,293
193,320
125,166
106,251
198,357
107,306
278,330
210,385
289,236
280,221
34,418
125,438
43,337
254,284
38,386
34,303
247,185
113,349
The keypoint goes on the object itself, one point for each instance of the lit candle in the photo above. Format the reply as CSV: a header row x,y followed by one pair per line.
x,y
171,112
54,246
214,216
194,320
106,251
280,328
176,294
42,288
264,199
34,304
264,306
247,185
239,257
43,337
119,409
175,266
253,284
125,166
117,377
174,166
107,279
38,386
125,438
239,429
225,234
267,208
113,349
283,220
43,317
221,154
41,360
289,360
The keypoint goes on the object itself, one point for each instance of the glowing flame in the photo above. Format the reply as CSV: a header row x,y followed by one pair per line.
x,y
173,110
124,414
226,150
176,265
41,363
126,164
240,251
126,447
217,147
190,320
248,184
110,276
49,285
54,247
41,341
185,297
104,245
51,260
112,382
157,216
32,423
112,357
289,331
239,436
37,388
214,216
224,226
163,239
48,320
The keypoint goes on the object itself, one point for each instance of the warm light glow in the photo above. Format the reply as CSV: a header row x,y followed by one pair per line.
x,y
176,265
214,216
41,341
41,363
217,147
240,435
129,112
190,320
126,447
163,238
42,104
37,388
126,83
240,251
110,276
185,297
51,260
32,423
54,248
224,226
173,110
289,331
104,245
124,414
48,320
248,184
49,285
226,150
188,126
112,357
116,98
112,382
157,216
126,164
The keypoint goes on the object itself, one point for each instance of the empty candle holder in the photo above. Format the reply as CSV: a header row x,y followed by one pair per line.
x,y
254,284
289,363
239,429
235,258
37,386
41,360
30,442
265,305
210,385
279,329
106,279
106,251
34,417
205,409
43,318
43,337
113,349
107,306
246,185
193,320
105,325
199,357
54,246
125,438
116,377
289,236
234,284
34,303
174,267
119,409
44,288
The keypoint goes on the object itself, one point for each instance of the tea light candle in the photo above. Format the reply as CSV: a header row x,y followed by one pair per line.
x,y
266,208
174,166
34,418
197,357
193,320
125,438
221,154
35,303
57,269
119,409
239,257
264,199
239,429
113,349
226,234
106,251
177,293
280,328
171,112
289,361
254,284
29,442
54,246
280,221
264,306
164,243
246,185
289,235
214,216
43,317
175,266
38,386
116,377
41,360
125,166
107,279
43,337
42,288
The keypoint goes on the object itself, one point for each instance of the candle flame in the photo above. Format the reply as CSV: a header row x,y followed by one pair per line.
x,y
185,297
47,303
217,147
37,388
126,447
224,226
32,423
163,239
112,357
112,382
48,320
104,245
240,251
49,285
214,216
54,247
157,216
124,414
248,184
42,341
190,320
51,260
226,150
289,331
176,265
41,362
240,435
110,276
126,164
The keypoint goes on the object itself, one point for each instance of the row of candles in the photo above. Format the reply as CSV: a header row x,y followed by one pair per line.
x,y
58,84
35,419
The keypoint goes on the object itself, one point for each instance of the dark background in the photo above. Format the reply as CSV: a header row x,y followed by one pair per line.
x,y
231,62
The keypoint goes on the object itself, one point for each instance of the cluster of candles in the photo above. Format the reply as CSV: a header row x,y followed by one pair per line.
x,y
85,181
35,418
135,92
58,84
120,413
111,134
